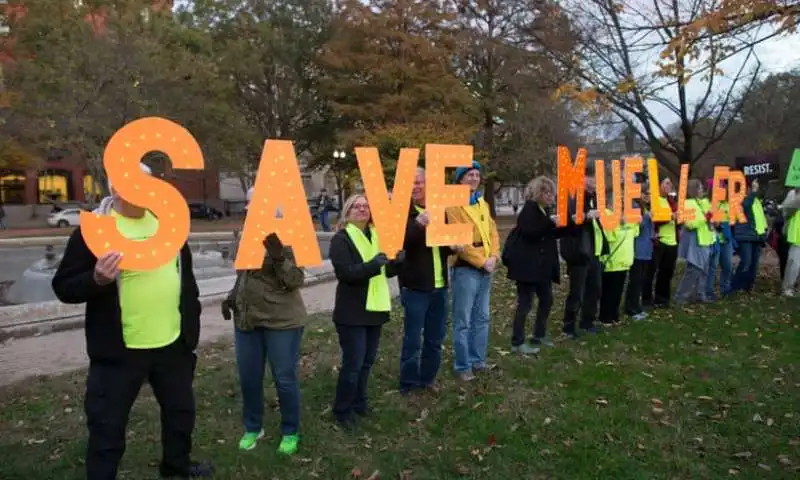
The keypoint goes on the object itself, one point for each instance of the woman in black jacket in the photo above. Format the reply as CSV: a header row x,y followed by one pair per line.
x,y
362,306
532,260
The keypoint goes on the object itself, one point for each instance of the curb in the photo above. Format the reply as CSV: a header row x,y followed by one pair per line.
x,y
73,321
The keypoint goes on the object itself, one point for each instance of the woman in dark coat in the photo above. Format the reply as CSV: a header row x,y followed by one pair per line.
x,y
362,306
531,256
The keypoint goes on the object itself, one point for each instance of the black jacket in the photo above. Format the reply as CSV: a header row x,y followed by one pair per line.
x,y
353,274
74,283
416,272
577,242
532,250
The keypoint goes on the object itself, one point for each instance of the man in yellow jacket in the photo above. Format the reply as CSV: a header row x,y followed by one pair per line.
x,y
471,280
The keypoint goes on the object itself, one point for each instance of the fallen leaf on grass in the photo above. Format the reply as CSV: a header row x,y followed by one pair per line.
x,y
406,474
742,455
547,421
462,470
375,475
355,472
422,415
657,412
601,402
705,397
770,422
764,467
757,418
733,471
492,440
784,460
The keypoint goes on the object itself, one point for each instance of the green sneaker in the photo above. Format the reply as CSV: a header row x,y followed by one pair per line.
x,y
288,444
250,440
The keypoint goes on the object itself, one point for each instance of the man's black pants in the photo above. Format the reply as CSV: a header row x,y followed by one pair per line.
x,y
613,287
584,293
660,272
111,390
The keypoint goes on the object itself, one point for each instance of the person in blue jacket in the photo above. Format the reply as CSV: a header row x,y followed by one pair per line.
x,y
750,237
721,252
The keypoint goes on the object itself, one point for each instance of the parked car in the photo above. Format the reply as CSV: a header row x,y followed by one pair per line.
x,y
69,217
201,210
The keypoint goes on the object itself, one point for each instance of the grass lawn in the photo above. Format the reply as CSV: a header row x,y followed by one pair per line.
x,y
706,392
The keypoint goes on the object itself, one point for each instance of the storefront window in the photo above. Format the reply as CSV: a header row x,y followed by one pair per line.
x,y
91,189
54,186
12,187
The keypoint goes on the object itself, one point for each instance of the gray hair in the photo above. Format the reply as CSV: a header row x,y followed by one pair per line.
x,y
536,188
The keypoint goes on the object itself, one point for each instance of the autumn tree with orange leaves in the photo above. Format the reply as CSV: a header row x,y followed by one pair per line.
x,y
634,63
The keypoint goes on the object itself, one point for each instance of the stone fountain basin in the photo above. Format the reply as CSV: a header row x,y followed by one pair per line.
x,y
210,261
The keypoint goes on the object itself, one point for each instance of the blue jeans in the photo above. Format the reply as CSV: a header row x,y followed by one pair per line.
x,y
359,346
471,289
721,256
323,220
424,329
281,348
745,276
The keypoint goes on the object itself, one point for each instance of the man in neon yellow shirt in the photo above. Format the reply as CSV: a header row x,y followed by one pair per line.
x,y
665,253
140,326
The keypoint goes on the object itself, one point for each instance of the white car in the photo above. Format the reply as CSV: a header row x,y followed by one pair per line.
x,y
70,217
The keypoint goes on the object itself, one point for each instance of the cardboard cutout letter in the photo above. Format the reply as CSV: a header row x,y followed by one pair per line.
x,y
718,193
633,189
660,212
736,191
389,216
278,185
440,196
571,183
682,186
609,217
121,160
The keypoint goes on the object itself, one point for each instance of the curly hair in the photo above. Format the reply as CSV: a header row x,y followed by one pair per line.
x,y
537,187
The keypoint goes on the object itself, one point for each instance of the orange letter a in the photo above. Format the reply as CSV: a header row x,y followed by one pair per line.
x,y
278,185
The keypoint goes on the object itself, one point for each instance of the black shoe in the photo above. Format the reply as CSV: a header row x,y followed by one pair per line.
x,y
571,334
367,412
346,423
196,470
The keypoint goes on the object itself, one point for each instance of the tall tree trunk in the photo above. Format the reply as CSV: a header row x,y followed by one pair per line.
x,y
488,139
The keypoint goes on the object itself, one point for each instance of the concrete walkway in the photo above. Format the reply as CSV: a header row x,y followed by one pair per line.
x,y
63,352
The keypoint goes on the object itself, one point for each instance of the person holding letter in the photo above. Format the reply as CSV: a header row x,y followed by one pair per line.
x,y
269,317
750,237
697,237
665,253
141,326
721,252
581,247
362,305
423,291
642,257
472,278
616,264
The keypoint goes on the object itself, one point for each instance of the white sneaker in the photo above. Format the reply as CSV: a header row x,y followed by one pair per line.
x,y
788,293
525,349
639,317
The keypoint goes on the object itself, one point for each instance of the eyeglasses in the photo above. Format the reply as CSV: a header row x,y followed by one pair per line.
x,y
360,206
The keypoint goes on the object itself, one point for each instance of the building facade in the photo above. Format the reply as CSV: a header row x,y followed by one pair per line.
x,y
63,177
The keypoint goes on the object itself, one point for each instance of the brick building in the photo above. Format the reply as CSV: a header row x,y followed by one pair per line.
x,y
62,177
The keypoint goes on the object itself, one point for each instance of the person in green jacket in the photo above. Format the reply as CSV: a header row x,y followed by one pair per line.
x,y
269,316
615,265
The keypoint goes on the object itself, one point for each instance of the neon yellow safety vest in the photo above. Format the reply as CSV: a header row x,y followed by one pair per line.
x,y
793,229
378,297
705,236
438,277
621,242
759,219
667,233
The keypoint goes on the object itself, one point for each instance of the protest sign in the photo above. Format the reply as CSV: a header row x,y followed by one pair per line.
x,y
763,167
793,172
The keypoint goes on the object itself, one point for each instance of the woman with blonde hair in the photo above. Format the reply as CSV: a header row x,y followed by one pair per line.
x,y
362,305
531,255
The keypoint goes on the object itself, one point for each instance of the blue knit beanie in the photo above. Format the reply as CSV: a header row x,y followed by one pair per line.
x,y
461,171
